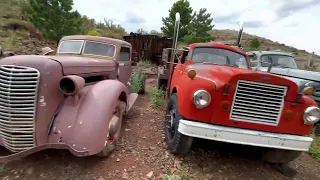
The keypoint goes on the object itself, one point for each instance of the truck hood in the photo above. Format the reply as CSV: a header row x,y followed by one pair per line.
x,y
83,65
295,73
222,75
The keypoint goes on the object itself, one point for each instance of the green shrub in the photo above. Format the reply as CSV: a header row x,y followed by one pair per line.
x,y
94,33
157,98
144,64
315,148
138,82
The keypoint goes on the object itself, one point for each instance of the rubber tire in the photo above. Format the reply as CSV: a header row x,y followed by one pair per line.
x,y
179,144
280,156
108,148
317,129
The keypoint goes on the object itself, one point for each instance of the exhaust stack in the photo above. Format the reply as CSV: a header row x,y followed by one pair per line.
x,y
238,43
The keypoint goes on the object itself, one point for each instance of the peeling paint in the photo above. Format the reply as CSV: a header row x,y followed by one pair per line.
x,y
69,126
59,132
42,101
74,145
80,122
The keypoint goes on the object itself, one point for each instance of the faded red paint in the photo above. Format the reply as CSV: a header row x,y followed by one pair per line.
x,y
81,124
212,77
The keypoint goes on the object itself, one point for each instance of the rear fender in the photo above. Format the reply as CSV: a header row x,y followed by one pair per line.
x,y
83,120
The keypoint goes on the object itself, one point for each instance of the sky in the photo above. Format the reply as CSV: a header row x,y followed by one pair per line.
x,y
292,22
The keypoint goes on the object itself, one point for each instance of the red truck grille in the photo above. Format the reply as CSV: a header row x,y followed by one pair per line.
x,y
258,102
18,94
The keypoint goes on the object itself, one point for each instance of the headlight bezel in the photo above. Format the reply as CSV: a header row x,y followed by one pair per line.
x,y
197,95
308,114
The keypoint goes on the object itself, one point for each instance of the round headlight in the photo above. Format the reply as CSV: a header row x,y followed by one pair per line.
x,y
311,115
201,98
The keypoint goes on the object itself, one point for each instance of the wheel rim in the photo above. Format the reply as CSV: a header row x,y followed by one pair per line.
x,y
115,123
170,122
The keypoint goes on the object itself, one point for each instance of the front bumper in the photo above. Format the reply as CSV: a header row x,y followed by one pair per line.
x,y
244,136
19,155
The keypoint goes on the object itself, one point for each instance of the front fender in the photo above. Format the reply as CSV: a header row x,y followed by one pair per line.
x,y
83,121
185,88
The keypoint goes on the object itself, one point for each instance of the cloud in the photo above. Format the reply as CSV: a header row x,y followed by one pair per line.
x,y
292,22
290,7
132,17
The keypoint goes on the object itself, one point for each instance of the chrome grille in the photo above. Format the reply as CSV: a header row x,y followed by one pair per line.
x,y
18,94
258,102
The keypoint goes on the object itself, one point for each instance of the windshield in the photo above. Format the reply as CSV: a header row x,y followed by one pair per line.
x,y
71,46
89,48
219,56
277,60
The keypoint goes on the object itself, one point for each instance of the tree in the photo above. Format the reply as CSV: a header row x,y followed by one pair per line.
x,y
88,24
109,29
53,18
142,31
200,27
155,32
255,43
183,7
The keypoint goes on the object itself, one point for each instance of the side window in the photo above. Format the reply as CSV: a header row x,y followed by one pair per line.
x,y
124,54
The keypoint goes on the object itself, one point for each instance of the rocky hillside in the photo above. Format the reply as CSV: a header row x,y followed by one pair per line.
x,y
302,56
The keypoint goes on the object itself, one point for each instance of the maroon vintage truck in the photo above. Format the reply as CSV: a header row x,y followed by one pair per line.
x,y
72,100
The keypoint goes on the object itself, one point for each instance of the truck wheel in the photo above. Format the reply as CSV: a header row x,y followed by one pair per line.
x,y
280,156
177,143
114,130
317,129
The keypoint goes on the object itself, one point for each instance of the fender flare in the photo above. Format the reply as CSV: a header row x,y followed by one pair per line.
x,y
83,121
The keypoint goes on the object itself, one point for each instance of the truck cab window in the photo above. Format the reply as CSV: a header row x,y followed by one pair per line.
x,y
124,54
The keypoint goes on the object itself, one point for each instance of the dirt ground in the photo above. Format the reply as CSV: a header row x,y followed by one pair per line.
x,y
142,154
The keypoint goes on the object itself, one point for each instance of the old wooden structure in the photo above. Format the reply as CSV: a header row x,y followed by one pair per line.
x,y
148,47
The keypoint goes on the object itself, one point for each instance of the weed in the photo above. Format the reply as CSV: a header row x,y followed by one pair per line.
x,y
10,43
174,177
144,64
138,82
1,169
157,98
315,148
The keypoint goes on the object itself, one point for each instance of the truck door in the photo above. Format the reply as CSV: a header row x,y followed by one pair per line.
x,y
125,68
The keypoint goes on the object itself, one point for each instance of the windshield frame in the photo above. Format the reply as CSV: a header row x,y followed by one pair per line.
x,y
80,51
83,46
247,65
282,55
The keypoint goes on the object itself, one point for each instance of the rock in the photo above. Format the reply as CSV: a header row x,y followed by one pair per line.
x,y
118,160
149,175
101,178
125,175
177,164
152,148
29,170
126,130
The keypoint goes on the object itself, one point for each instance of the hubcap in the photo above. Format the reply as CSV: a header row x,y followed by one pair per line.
x,y
170,125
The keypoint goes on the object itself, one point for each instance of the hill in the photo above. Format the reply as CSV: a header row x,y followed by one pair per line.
x,y
301,56
17,35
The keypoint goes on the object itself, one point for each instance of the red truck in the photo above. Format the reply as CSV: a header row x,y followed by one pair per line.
x,y
213,94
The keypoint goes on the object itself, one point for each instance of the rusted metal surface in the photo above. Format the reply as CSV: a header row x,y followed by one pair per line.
x,y
148,46
77,121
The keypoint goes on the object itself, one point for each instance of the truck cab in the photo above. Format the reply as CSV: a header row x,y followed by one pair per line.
x,y
74,99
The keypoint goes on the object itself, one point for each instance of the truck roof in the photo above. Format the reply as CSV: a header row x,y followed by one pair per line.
x,y
116,42
218,45
270,52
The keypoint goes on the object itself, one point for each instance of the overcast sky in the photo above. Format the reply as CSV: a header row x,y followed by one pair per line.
x,y
292,22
